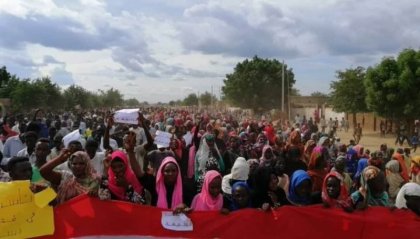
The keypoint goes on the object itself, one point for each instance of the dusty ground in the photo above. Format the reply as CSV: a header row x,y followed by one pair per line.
x,y
372,140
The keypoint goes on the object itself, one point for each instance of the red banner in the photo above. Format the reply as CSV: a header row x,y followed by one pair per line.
x,y
86,216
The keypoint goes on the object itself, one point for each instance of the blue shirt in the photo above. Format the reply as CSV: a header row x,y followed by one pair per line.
x,y
12,146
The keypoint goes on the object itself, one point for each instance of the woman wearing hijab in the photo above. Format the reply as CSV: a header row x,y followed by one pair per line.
x,y
409,197
334,192
294,154
300,189
394,179
241,197
210,198
340,167
207,158
309,147
240,172
295,142
267,190
267,156
415,169
80,180
372,191
361,165
169,185
403,168
316,169
121,183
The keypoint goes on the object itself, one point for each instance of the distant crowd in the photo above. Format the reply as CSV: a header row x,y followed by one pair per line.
x,y
211,161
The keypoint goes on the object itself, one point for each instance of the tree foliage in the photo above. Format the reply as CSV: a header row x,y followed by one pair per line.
x,y
257,84
348,93
190,100
132,102
318,94
207,99
27,94
393,86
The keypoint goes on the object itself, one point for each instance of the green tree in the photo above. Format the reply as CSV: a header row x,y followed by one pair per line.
x,y
257,84
318,94
190,100
207,99
27,95
111,98
132,102
8,83
53,98
393,86
77,96
348,94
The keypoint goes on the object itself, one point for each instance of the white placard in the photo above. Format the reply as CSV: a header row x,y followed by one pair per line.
x,y
126,116
178,222
162,139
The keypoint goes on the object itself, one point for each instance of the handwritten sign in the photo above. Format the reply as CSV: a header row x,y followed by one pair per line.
x,y
23,214
127,116
162,139
178,222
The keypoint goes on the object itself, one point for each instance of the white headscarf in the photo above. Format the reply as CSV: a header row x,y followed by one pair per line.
x,y
410,189
240,171
203,151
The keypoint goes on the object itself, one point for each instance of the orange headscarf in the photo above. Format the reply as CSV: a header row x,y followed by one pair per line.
x,y
403,167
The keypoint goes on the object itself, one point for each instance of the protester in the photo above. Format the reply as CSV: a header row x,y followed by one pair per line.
x,y
214,161
300,189
210,197
80,180
394,179
169,185
372,191
409,197
316,169
334,192
241,197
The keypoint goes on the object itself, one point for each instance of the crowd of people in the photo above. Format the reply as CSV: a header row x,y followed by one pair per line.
x,y
213,161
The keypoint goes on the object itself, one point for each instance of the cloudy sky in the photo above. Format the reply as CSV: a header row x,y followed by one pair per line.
x,y
161,50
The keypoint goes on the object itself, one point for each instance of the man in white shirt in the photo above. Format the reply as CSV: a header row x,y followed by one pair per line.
x,y
29,151
96,158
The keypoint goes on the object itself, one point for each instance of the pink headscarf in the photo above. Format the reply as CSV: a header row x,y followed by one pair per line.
x,y
131,178
161,188
204,201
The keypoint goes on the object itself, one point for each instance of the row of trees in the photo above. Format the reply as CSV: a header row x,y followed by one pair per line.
x,y
27,94
390,88
205,99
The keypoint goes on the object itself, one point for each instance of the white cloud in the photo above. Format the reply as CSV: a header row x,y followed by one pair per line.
x,y
144,48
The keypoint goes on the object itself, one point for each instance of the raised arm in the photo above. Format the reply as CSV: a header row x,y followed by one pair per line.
x,y
129,145
47,170
149,137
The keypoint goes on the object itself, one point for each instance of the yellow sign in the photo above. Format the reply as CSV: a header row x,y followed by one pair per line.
x,y
23,214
